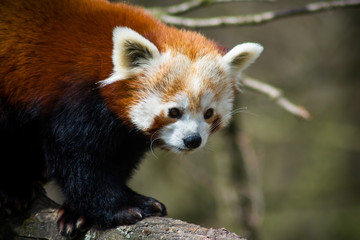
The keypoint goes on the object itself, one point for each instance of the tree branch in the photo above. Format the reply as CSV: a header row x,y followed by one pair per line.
x,y
39,222
196,4
168,16
276,95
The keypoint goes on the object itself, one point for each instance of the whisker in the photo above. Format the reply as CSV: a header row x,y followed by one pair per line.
x,y
208,148
238,110
245,110
151,144
231,113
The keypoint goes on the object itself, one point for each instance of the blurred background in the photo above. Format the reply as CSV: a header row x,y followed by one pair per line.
x,y
294,179
303,176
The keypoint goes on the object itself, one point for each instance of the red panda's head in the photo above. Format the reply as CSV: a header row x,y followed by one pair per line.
x,y
176,100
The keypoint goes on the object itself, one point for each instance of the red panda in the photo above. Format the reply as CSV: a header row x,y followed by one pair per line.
x,y
87,87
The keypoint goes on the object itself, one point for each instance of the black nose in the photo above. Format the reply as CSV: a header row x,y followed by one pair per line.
x,y
192,141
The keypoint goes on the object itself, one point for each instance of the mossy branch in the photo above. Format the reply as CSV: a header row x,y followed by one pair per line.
x,y
39,222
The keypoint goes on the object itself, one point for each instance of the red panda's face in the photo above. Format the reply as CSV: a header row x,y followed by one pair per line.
x,y
177,101
182,101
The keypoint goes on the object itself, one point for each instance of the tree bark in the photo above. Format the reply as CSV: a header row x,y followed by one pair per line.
x,y
39,222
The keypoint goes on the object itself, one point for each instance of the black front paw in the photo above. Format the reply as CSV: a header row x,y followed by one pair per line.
x,y
138,208
70,222
150,206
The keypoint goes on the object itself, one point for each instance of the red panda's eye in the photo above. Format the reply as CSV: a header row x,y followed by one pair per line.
x,y
209,113
174,113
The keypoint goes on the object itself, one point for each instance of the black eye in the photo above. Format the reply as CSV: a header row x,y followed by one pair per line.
x,y
209,113
174,113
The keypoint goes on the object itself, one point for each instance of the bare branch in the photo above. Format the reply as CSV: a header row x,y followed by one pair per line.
x,y
186,6
258,18
195,4
276,95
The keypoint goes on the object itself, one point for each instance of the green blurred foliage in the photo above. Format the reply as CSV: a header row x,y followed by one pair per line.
x,y
310,171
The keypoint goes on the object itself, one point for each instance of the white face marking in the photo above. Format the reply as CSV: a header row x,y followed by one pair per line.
x,y
207,100
144,113
189,124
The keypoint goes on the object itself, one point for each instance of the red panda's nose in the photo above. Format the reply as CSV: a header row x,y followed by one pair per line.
x,y
192,141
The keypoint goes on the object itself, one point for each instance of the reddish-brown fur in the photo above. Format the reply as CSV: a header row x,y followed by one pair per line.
x,y
49,45
69,106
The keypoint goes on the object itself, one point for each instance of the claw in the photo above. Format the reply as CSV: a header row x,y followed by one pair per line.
x,y
157,206
138,214
80,223
70,222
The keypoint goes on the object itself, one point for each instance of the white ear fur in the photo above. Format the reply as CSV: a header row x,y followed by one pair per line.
x,y
242,55
131,52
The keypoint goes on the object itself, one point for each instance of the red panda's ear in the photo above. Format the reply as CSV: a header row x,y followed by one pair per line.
x,y
131,50
131,53
242,55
